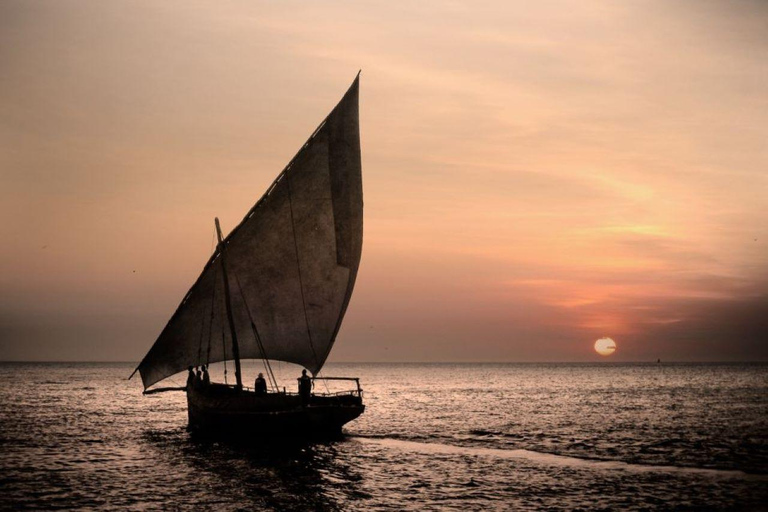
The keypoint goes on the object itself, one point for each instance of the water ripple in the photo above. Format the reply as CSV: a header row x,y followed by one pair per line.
x,y
450,437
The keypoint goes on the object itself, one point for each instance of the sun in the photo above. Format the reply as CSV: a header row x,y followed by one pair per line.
x,y
605,346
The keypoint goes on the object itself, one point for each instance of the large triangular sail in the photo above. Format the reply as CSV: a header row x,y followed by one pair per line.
x,y
291,263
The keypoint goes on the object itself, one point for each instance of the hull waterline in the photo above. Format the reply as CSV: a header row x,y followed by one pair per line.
x,y
223,410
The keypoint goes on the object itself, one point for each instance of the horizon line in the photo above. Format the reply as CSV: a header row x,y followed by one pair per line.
x,y
682,361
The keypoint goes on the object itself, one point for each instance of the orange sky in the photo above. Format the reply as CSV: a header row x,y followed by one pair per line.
x,y
536,175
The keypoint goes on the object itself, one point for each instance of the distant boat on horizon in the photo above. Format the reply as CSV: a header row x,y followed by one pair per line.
x,y
276,288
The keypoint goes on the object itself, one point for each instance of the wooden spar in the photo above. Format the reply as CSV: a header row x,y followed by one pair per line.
x,y
228,303
163,390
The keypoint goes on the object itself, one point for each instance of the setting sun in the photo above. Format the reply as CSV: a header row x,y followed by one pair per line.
x,y
605,346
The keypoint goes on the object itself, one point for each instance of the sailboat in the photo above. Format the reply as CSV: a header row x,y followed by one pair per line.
x,y
276,289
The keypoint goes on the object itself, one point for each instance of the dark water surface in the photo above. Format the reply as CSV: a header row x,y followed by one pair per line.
x,y
470,437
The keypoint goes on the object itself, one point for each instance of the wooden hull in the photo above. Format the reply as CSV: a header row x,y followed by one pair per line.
x,y
219,409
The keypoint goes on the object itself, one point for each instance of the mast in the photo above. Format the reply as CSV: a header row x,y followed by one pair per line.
x,y
228,302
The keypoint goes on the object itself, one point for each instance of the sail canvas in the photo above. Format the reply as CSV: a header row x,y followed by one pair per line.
x,y
291,263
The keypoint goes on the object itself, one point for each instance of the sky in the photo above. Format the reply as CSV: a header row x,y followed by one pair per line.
x,y
537,175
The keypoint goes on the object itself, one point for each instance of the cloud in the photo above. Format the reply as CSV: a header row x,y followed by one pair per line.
x,y
535,175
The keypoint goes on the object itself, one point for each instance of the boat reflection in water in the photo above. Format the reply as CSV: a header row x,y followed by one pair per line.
x,y
276,289
256,473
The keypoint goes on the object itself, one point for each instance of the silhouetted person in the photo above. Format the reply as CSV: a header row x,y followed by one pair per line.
x,y
305,387
199,375
260,385
190,379
206,376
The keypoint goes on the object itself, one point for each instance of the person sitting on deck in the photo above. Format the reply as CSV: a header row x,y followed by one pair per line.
x,y
190,379
305,387
206,376
260,386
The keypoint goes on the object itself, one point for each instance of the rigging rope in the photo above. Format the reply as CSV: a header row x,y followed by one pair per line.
x,y
224,344
200,345
213,303
298,266
224,341
223,328
210,323
267,366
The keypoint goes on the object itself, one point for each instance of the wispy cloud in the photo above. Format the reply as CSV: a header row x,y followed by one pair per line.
x,y
535,175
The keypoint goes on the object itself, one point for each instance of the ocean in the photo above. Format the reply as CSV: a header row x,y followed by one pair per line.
x,y
433,437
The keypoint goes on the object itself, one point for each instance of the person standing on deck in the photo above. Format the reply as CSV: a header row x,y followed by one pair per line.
x,y
260,386
190,379
199,376
206,376
305,387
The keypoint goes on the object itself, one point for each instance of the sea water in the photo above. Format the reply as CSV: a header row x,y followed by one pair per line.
x,y
433,437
